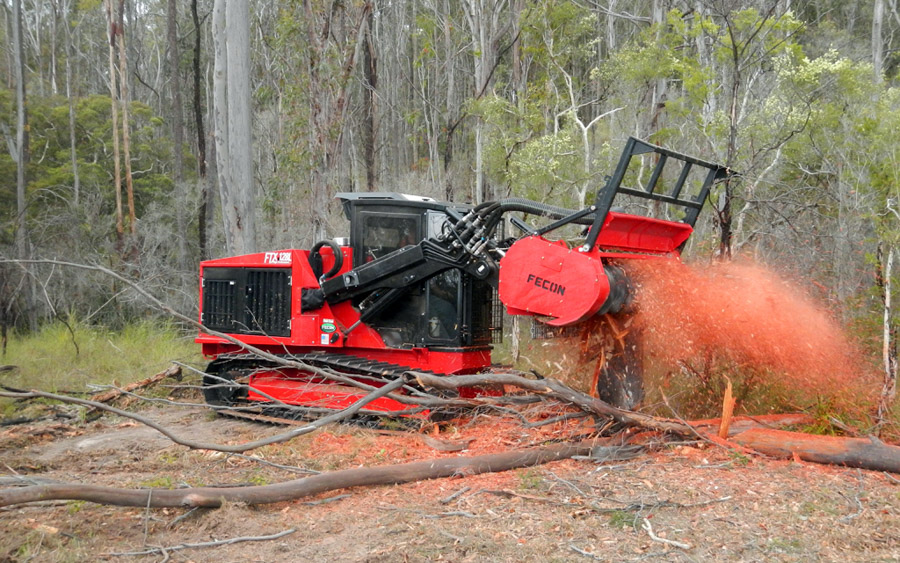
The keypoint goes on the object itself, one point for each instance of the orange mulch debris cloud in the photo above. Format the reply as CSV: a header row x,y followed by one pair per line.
x,y
747,313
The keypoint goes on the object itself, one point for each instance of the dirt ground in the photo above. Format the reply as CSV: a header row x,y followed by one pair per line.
x,y
691,501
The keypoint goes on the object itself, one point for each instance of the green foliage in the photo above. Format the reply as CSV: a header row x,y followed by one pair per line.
x,y
54,358
621,519
530,479
694,389
50,175
533,145
75,506
530,164
559,34
161,482
750,34
831,416
168,457
738,459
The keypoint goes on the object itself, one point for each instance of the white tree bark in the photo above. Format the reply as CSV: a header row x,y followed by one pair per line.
x,y
73,153
126,127
20,152
877,41
232,112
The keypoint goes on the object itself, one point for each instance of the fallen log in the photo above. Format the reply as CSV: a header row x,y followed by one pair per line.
x,y
213,497
865,453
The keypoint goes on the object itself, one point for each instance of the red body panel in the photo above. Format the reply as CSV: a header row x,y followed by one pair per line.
x,y
320,331
307,328
469,360
539,277
314,393
632,233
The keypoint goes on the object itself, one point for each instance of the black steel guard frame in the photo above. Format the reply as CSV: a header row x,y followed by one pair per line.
x,y
635,147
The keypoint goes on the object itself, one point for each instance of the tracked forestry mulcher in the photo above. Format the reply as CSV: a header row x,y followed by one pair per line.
x,y
420,284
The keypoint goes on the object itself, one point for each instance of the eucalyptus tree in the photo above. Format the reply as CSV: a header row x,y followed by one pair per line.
x,y
232,111
325,38
177,128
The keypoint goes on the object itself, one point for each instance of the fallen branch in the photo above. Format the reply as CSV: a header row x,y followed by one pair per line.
x,y
555,419
237,448
454,496
112,394
326,500
217,543
20,420
556,389
588,554
649,528
212,497
865,453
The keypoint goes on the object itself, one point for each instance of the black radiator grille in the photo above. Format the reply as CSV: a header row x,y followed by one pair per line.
x,y
247,300
219,304
268,298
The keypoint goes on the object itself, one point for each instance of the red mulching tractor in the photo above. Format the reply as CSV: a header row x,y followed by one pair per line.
x,y
418,285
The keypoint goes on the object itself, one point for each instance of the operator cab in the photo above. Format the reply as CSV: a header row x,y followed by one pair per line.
x,y
450,310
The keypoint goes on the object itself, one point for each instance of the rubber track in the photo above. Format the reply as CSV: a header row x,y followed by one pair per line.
x,y
340,362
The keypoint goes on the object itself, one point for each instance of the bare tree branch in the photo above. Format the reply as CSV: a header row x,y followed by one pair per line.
x,y
237,448
217,543
553,388
212,497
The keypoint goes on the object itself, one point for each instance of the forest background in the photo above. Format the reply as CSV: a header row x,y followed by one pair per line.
x,y
128,129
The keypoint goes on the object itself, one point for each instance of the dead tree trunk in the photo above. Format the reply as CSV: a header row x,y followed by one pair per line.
x,y
177,131
865,453
889,332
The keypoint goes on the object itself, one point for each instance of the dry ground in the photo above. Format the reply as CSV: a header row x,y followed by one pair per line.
x,y
722,505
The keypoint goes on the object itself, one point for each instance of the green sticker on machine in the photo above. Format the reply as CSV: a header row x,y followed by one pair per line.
x,y
328,327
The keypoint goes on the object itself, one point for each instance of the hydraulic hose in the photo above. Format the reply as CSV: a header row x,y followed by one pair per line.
x,y
543,209
494,212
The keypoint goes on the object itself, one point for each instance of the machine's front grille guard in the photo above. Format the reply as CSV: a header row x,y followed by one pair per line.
x,y
497,311
691,204
487,315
